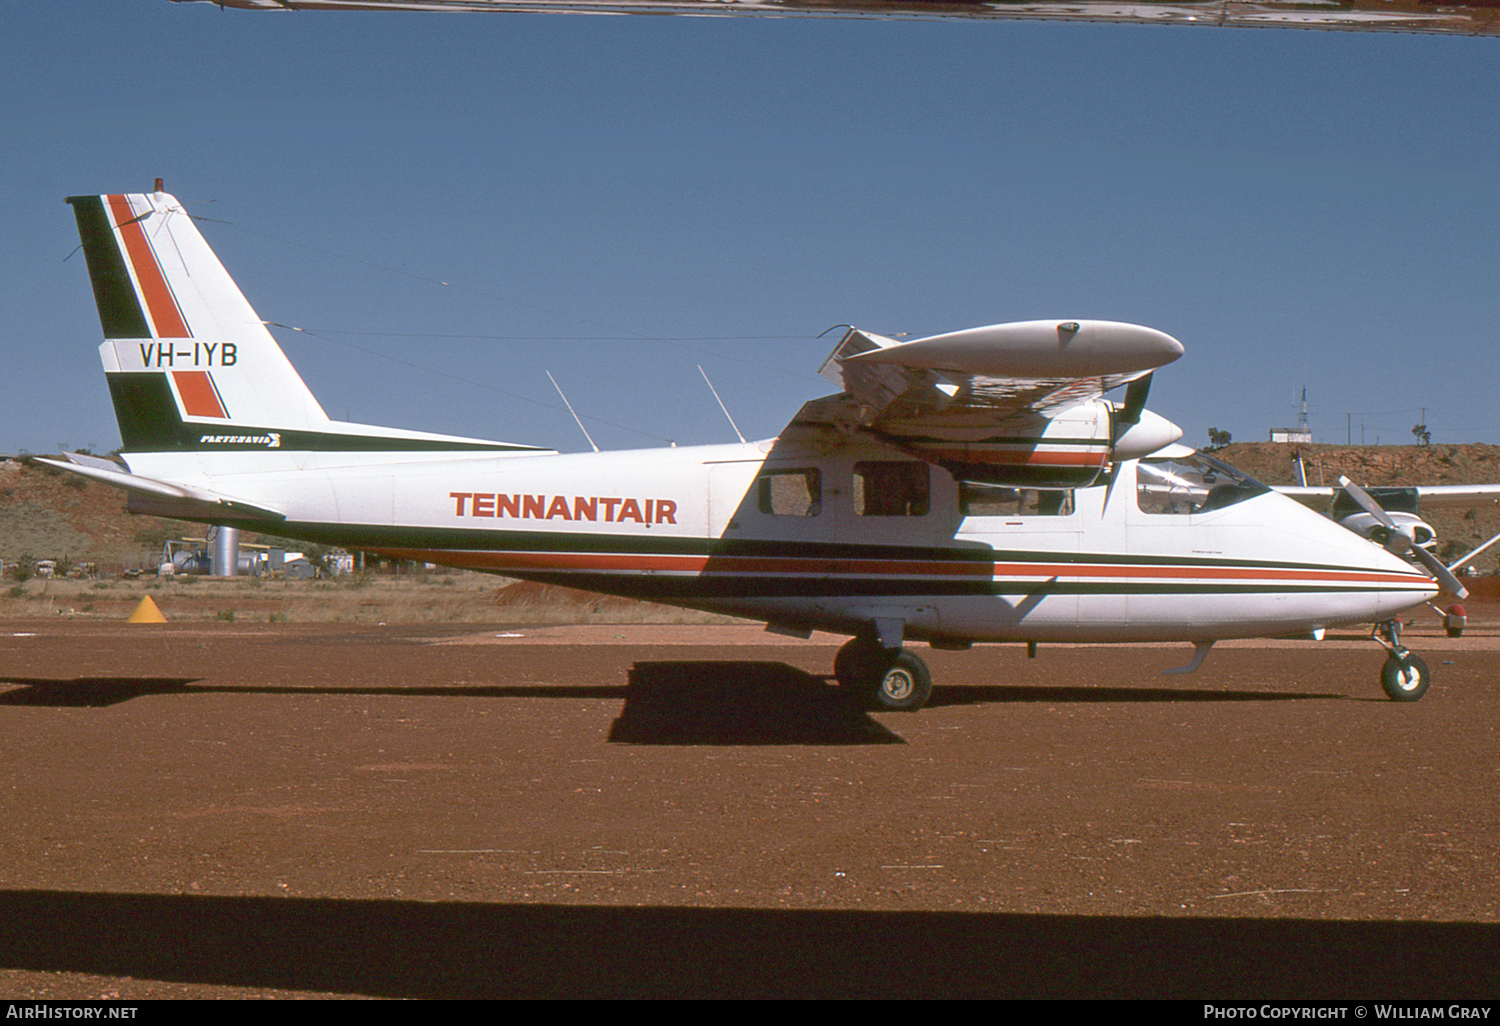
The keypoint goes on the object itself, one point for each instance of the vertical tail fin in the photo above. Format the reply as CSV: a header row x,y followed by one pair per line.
x,y
190,366
184,353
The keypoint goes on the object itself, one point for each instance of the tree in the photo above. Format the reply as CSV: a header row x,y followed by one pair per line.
x,y
1218,439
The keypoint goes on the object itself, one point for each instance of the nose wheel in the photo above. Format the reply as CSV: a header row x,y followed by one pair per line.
x,y
1405,680
882,679
1404,677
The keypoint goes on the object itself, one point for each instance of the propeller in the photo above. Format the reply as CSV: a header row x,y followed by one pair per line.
x,y
1400,542
1135,400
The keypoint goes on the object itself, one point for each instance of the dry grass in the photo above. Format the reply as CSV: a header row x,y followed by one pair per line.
x,y
422,598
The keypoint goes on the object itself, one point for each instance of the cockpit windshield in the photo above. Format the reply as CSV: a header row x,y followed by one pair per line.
x,y
1191,484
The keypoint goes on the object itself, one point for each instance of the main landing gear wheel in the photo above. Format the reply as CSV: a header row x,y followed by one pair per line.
x,y
882,679
1405,679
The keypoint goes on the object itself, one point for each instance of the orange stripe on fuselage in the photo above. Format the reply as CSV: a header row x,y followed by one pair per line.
x,y
160,302
1189,570
601,562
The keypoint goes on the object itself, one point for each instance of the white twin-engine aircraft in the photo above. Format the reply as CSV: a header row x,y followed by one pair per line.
x,y
968,487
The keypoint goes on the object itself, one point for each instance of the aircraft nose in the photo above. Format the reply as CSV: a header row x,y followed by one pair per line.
x,y
1373,584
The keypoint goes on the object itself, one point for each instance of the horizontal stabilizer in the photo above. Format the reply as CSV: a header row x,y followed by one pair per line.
x,y
109,473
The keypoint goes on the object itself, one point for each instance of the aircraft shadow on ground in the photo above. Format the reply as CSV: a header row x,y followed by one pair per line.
x,y
88,692
739,703
103,691
413,949
748,703
690,702
984,694
725,703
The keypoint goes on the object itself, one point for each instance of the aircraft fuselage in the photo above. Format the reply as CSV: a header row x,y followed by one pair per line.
x,y
802,533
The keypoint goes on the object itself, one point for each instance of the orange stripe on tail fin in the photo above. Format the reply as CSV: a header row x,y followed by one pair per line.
x,y
166,318
199,397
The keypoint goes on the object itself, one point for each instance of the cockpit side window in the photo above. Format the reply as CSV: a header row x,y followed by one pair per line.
x,y
1191,484
977,499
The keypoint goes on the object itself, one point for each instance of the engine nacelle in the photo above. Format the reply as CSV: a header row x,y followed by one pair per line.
x,y
1069,450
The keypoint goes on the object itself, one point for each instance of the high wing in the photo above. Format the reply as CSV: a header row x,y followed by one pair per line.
x,y
1016,404
1472,18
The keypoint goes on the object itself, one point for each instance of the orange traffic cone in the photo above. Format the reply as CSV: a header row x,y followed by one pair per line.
x,y
146,612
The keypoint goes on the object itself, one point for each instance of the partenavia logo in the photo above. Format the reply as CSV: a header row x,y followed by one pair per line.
x,y
270,441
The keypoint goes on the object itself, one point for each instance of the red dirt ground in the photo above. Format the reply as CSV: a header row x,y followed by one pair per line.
x,y
233,810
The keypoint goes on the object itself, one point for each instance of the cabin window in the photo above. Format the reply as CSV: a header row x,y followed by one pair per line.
x,y
977,499
1191,484
891,488
790,493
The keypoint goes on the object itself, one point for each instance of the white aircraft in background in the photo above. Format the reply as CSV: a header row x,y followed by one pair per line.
x,y
968,487
1399,509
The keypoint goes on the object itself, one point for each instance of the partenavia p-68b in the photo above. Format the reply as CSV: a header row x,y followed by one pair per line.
x,y
968,487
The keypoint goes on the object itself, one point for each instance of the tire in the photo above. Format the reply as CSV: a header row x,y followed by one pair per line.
x,y
898,682
851,659
882,679
1405,680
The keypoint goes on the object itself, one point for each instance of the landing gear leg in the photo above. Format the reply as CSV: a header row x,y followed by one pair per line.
x,y
1404,677
883,679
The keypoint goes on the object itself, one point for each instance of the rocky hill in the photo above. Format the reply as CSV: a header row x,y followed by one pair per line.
x,y
48,514
1378,465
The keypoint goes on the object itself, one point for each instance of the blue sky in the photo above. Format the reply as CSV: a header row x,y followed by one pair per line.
x,y
620,199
